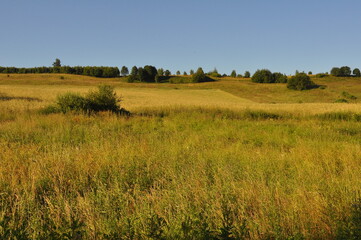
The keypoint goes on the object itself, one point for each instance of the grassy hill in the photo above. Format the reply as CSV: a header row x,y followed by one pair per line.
x,y
228,159
332,90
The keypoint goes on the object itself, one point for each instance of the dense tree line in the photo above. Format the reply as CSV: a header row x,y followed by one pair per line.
x,y
105,72
143,74
345,71
266,76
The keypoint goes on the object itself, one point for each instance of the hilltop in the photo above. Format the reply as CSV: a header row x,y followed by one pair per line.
x,y
332,88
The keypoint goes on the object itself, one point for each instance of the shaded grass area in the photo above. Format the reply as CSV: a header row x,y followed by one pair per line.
x,y
6,97
340,116
179,174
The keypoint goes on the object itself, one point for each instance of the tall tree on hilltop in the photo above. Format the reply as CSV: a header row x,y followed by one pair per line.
x,y
57,63
124,71
356,72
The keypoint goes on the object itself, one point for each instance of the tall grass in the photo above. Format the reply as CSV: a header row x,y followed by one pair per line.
x,y
186,174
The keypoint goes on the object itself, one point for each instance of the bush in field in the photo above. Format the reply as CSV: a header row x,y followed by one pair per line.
x,y
345,71
214,73
167,73
300,81
263,76
247,74
234,74
160,72
104,99
71,102
321,75
279,77
199,76
356,72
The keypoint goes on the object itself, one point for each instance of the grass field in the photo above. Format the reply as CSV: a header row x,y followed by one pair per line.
x,y
228,159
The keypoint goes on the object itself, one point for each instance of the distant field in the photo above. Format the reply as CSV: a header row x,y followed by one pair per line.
x,y
228,159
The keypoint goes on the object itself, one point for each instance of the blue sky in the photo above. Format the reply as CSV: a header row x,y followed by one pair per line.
x,y
281,35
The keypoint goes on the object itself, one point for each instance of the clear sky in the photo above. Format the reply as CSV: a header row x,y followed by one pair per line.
x,y
281,35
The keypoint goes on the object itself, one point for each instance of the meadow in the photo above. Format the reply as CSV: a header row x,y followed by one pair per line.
x,y
228,159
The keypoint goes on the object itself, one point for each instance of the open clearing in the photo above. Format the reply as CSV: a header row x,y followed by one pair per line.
x,y
228,159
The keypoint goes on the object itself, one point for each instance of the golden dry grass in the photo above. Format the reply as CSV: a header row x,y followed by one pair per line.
x,y
193,162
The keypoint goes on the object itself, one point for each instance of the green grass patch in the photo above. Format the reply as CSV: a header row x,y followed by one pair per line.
x,y
340,116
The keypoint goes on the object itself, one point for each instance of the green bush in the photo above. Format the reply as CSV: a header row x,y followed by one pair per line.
x,y
344,71
263,76
247,74
279,77
199,76
321,75
104,99
214,73
71,102
300,81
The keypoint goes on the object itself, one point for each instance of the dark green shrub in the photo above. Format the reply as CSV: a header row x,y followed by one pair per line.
x,y
71,102
344,71
105,99
167,73
247,74
214,73
263,76
199,76
279,77
131,79
321,75
356,72
300,81
335,71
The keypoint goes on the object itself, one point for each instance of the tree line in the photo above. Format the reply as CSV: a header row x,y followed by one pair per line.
x,y
345,71
105,72
151,74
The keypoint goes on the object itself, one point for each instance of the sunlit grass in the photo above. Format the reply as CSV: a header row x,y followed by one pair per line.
x,y
187,164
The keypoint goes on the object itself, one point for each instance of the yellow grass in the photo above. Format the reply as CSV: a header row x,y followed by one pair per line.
x,y
195,161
